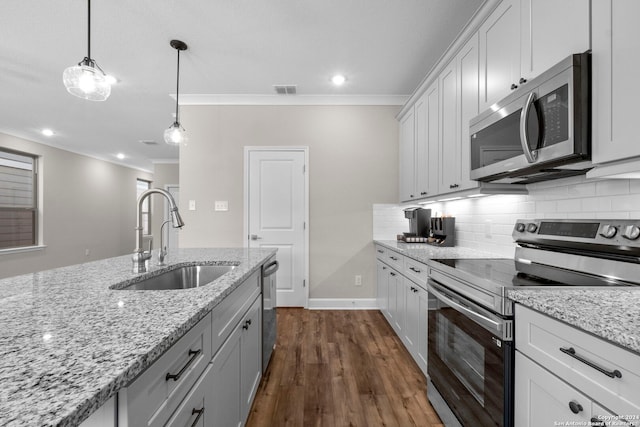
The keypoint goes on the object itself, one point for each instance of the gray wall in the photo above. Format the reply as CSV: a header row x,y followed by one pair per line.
x,y
86,204
353,163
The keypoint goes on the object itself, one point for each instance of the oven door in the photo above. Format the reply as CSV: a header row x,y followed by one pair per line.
x,y
470,358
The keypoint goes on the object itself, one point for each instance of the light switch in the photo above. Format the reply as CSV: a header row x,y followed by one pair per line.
x,y
192,205
221,205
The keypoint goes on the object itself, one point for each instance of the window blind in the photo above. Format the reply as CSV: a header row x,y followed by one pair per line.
x,y
18,210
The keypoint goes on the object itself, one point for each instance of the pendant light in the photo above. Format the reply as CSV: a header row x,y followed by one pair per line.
x,y
87,80
175,134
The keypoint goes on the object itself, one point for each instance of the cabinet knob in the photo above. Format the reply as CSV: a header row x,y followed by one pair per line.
x,y
575,407
522,80
514,86
411,195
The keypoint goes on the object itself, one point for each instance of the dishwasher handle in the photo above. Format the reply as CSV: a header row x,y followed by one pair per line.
x,y
270,268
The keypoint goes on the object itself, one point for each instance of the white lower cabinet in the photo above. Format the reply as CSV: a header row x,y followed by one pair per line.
x,y
236,372
208,378
415,324
565,375
402,299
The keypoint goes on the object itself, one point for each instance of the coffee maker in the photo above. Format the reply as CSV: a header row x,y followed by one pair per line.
x,y
419,221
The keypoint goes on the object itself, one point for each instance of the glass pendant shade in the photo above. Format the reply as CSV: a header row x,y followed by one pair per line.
x,y
175,134
87,81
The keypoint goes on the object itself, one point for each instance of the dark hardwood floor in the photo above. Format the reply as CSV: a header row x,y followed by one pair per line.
x,y
340,368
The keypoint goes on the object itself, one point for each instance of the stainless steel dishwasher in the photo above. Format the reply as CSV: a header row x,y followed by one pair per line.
x,y
269,322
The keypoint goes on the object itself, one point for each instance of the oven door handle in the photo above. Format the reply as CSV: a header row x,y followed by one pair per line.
x,y
483,321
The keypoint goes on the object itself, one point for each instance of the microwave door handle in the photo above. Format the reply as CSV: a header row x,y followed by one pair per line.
x,y
524,136
483,321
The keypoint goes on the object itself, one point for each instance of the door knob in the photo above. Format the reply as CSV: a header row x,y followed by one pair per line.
x,y
255,237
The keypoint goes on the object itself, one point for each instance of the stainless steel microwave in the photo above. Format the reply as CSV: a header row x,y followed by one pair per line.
x,y
540,131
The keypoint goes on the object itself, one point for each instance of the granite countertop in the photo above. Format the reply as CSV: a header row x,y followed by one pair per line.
x,y
612,314
424,252
68,342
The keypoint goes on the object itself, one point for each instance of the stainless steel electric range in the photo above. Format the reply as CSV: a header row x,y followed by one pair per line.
x,y
471,334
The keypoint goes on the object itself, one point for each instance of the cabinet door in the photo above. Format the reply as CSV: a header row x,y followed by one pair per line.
x,y
407,157
468,75
499,53
616,42
382,278
542,399
433,136
225,383
449,147
552,30
250,355
392,304
411,308
397,282
422,317
422,147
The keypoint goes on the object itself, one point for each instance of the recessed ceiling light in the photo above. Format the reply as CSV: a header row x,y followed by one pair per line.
x,y
47,132
120,156
338,79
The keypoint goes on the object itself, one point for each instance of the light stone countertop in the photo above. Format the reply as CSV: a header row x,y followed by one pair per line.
x,y
612,314
68,342
424,252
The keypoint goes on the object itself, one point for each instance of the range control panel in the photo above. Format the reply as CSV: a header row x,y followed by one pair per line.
x,y
616,232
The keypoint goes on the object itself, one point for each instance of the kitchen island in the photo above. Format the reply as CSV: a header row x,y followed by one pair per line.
x,y
68,342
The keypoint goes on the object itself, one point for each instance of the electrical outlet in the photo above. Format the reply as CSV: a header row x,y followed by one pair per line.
x,y
358,280
192,205
87,252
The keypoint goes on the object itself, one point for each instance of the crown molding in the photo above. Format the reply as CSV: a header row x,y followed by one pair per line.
x,y
223,99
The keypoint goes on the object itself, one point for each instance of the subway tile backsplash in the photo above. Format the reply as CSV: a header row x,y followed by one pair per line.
x,y
486,223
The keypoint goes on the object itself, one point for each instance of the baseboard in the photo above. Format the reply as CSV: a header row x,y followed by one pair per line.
x,y
343,304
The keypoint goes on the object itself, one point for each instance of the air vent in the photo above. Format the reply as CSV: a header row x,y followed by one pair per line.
x,y
285,89
148,142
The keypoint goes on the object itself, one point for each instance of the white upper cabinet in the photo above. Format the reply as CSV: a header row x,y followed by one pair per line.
x,y
449,147
407,158
615,61
499,53
468,76
523,38
551,31
426,118
433,137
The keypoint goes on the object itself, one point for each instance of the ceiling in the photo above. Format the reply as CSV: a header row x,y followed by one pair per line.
x,y
236,47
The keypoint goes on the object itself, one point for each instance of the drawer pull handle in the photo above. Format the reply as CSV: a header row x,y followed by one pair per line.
x,y
575,407
597,422
193,354
380,251
392,273
572,352
246,324
199,412
415,270
393,258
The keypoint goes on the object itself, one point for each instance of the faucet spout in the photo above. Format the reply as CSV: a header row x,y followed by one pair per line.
x,y
140,257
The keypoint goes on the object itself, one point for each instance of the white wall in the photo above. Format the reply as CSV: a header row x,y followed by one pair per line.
x,y
353,162
86,204
163,174
486,223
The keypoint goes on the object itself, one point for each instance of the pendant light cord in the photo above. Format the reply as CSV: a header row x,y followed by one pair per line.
x,y
178,87
89,29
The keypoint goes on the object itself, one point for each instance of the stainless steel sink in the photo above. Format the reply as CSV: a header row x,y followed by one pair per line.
x,y
192,276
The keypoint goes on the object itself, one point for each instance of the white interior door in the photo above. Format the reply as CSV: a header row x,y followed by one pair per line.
x,y
170,233
276,214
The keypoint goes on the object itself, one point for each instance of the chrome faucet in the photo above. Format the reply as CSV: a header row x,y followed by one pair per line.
x,y
162,252
140,256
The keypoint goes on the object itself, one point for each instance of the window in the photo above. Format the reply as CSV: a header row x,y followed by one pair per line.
x,y
143,186
18,199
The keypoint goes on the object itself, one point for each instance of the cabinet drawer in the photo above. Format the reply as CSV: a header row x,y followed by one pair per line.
x,y
394,259
416,271
227,314
381,252
541,338
155,395
194,411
